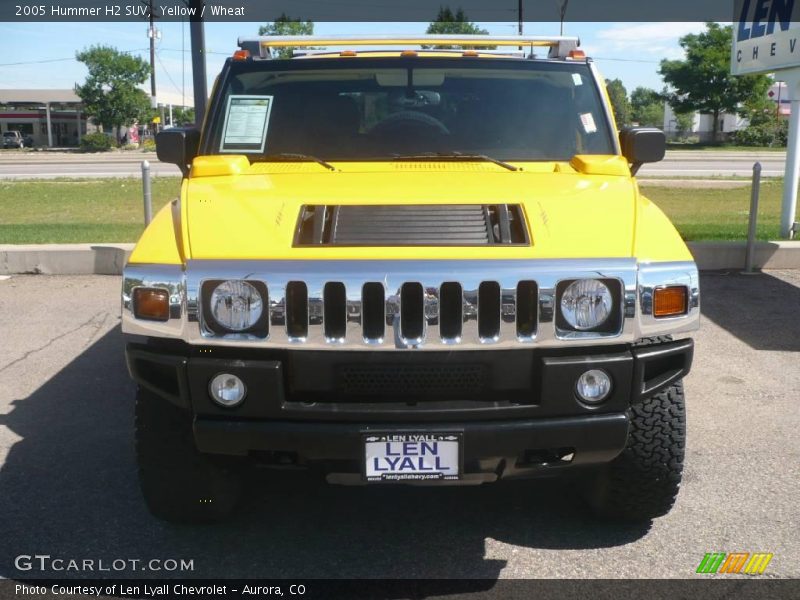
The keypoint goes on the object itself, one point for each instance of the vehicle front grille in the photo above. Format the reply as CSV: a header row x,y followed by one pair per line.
x,y
387,380
410,315
404,304
411,225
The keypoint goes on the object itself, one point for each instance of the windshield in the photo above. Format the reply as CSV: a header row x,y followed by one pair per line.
x,y
386,109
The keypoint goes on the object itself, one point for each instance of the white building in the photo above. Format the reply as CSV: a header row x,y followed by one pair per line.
x,y
702,125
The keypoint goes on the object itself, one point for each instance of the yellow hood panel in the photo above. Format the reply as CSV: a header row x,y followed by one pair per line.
x,y
254,215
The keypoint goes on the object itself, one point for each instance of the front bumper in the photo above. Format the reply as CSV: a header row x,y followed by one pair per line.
x,y
491,450
526,421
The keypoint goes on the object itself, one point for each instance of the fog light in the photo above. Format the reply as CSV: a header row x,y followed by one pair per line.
x,y
227,390
593,386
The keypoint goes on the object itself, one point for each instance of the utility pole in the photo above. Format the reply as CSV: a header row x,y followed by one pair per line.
x,y
197,32
563,10
151,33
519,17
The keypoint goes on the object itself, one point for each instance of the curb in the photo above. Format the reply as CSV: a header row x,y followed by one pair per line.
x,y
711,256
64,259
109,259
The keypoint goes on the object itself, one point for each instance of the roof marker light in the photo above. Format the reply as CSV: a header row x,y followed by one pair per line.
x,y
576,54
241,55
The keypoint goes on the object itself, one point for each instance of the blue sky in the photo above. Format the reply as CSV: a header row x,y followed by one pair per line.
x,y
628,51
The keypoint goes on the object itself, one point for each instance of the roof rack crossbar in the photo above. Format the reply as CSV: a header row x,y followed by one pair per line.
x,y
559,45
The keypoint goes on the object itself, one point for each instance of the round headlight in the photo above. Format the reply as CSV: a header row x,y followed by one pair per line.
x,y
236,305
227,390
586,303
593,386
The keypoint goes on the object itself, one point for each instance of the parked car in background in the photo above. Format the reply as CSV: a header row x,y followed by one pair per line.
x,y
15,139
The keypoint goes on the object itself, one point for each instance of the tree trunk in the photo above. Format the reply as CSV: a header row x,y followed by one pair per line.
x,y
715,127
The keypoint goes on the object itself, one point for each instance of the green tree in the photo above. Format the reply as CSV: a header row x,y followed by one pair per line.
x,y
182,116
619,101
684,123
456,23
285,25
702,80
647,107
111,95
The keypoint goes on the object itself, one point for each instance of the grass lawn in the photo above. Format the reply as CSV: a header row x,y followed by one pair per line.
x,y
78,210
110,210
718,214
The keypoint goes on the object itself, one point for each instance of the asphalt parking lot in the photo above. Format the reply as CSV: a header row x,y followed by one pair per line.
x,y
68,483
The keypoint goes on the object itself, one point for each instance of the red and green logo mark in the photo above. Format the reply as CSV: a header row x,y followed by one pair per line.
x,y
735,562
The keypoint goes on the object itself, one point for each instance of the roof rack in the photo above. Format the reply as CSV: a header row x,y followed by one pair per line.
x,y
560,46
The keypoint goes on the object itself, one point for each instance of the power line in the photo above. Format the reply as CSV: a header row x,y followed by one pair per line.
x,y
54,60
158,57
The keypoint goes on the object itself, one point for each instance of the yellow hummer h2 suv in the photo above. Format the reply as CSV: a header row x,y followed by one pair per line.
x,y
427,266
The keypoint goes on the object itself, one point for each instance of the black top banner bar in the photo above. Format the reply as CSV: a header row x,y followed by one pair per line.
x,y
372,10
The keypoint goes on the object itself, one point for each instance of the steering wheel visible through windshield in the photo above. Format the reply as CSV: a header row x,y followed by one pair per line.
x,y
385,108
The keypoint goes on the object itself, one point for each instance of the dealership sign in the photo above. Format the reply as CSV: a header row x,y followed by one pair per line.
x,y
765,36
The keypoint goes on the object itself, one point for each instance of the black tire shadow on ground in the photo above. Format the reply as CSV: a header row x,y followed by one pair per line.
x,y
68,489
759,309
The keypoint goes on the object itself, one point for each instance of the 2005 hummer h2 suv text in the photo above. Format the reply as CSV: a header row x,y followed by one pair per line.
x,y
425,266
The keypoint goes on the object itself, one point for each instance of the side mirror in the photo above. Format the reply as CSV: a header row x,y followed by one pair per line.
x,y
642,145
178,146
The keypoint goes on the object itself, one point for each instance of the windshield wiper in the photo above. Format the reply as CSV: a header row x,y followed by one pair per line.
x,y
290,156
457,156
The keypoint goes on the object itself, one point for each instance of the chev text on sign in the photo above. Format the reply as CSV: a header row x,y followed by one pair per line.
x,y
765,36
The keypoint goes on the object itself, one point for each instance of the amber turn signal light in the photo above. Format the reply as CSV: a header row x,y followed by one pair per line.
x,y
670,301
151,304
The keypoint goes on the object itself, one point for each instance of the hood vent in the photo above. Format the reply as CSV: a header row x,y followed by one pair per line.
x,y
412,225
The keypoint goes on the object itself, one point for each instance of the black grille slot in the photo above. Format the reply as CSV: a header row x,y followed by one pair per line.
x,y
489,310
372,309
527,303
335,310
297,309
433,381
411,225
412,311
451,308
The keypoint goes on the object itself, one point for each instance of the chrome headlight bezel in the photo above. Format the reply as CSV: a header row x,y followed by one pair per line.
x,y
216,324
611,321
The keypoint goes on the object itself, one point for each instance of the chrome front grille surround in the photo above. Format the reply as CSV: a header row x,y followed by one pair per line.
x,y
422,305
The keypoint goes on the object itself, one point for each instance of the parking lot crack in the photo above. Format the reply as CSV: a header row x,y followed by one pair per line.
x,y
96,321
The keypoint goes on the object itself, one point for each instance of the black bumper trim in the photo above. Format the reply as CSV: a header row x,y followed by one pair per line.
x,y
595,439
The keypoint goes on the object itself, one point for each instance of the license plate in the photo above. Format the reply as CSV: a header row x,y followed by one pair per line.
x,y
412,456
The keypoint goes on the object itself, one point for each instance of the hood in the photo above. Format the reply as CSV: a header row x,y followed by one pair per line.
x,y
243,211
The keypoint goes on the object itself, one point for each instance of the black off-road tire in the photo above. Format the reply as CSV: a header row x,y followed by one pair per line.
x,y
643,481
179,483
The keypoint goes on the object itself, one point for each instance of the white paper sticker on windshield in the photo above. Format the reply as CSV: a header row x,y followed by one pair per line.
x,y
576,79
246,124
588,123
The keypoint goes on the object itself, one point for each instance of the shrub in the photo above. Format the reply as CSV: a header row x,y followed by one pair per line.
x,y
772,133
149,145
97,142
